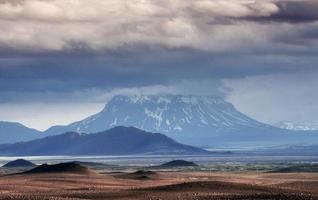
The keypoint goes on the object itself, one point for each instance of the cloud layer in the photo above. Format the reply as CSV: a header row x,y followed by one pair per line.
x,y
50,46
271,98
212,25
66,51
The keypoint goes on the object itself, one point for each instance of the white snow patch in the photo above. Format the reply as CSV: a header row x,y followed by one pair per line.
x,y
114,123
177,128
167,122
163,100
138,99
157,115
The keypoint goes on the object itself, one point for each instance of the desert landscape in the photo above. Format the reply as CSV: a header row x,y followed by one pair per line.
x,y
158,99
76,181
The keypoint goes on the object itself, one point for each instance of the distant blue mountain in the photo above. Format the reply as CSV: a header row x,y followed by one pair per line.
x,y
195,120
297,126
11,132
116,141
295,150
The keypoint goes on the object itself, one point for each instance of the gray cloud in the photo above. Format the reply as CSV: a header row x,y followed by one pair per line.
x,y
85,51
55,77
42,110
292,12
64,25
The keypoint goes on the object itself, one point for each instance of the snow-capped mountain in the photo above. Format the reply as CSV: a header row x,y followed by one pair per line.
x,y
181,117
166,114
297,126
194,120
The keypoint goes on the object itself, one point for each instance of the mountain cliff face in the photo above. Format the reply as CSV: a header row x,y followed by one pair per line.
x,y
11,132
116,141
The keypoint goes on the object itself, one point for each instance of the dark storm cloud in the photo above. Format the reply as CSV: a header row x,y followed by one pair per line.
x,y
59,75
292,12
306,38
55,48
297,11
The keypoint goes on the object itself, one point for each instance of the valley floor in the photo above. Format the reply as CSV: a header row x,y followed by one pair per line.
x,y
160,185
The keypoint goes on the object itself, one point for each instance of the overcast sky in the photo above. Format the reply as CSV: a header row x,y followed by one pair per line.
x,y
61,60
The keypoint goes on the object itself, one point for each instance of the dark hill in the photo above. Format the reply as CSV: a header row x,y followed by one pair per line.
x,y
70,167
92,164
19,163
309,168
116,141
138,175
179,163
212,186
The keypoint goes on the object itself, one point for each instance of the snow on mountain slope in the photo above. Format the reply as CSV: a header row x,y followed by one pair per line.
x,y
177,116
196,120
297,126
168,114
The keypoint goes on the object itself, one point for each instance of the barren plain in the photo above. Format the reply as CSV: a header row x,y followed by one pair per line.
x,y
151,185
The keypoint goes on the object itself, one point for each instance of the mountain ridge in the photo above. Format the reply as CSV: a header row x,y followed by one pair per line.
x,y
182,117
204,121
154,107
11,132
116,141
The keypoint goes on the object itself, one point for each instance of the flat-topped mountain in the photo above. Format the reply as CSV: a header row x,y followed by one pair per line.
x,y
170,114
195,120
203,121
116,141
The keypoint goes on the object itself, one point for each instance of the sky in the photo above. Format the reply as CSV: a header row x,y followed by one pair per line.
x,y
61,60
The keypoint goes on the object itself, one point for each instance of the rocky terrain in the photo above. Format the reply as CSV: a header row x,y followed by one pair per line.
x,y
73,182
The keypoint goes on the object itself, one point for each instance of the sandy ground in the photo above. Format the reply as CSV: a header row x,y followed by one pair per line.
x,y
161,185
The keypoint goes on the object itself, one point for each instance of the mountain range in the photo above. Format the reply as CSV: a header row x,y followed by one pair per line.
x,y
116,141
203,121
